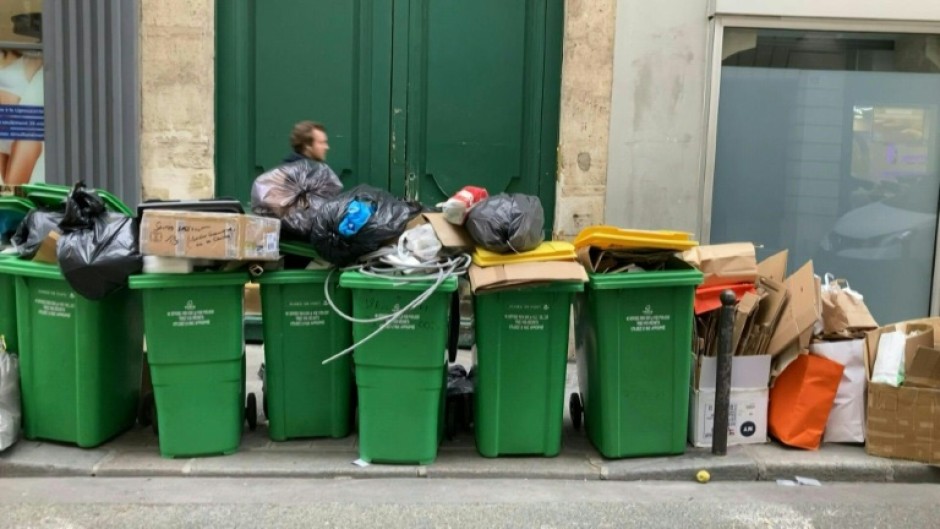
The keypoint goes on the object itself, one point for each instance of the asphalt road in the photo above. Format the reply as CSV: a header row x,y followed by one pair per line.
x,y
258,503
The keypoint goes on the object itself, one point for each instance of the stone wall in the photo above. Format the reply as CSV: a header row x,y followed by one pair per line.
x,y
177,81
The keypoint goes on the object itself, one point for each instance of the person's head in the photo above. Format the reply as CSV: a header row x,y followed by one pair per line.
x,y
309,139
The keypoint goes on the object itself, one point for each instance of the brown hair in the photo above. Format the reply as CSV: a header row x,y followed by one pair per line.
x,y
302,134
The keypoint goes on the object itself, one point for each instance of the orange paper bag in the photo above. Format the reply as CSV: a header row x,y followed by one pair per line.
x,y
801,400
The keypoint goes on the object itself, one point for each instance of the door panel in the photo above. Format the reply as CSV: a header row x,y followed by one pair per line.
x,y
327,61
451,92
474,105
320,60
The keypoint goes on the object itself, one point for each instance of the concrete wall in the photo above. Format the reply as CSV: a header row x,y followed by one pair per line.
x,y
657,128
177,80
587,71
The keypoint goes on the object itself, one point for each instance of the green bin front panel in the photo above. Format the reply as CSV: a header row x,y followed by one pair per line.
x,y
522,356
634,345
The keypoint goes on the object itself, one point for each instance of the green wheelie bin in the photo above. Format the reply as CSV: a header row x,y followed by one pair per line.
x,y
80,360
194,330
634,349
521,360
401,373
12,211
303,397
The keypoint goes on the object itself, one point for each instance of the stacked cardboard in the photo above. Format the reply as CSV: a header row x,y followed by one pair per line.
x,y
904,422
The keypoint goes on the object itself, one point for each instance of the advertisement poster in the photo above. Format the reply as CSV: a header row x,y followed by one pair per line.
x,y
22,113
22,124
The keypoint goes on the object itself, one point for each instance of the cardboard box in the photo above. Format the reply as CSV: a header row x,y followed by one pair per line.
x,y
724,264
800,314
47,249
253,299
525,274
747,410
925,369
904,422
453,238
217,236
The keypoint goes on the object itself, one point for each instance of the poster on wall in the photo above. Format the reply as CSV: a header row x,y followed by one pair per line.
x,y
22,117
22,112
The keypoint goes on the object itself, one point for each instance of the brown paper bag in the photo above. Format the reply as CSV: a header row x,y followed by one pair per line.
x,y
724,264
844,310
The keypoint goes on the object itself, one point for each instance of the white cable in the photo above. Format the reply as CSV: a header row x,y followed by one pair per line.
x,y
379,266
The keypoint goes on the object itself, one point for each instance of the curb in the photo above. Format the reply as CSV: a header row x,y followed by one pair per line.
x,y
742,464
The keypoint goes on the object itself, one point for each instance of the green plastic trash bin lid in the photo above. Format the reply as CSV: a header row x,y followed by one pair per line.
x,y
401,372
80,360
195,347
298,248
634,359
522,358
303,397
51,195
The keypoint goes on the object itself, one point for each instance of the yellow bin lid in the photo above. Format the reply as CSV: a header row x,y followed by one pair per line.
x,y
547,251
611,237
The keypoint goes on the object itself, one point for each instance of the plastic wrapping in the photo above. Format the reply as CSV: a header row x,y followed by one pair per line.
x,y
388,221
99,250
507,223
10,410
34,229
293,193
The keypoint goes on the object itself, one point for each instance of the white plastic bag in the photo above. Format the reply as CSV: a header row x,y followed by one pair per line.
x,y
889,365
846,422
9,398
420,242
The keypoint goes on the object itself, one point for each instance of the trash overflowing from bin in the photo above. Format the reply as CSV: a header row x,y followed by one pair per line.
x,y
357,293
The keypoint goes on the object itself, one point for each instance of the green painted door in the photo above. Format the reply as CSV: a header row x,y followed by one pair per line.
x,y
420,97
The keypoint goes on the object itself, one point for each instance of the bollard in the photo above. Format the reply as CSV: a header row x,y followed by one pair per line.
x,y
723,380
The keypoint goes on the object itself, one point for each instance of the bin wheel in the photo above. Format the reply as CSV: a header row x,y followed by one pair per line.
x,y
251,412
576,409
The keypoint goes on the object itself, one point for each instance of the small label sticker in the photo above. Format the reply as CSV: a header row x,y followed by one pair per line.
x,y
306,313
649,321
527,317
191,316
271,243
55,304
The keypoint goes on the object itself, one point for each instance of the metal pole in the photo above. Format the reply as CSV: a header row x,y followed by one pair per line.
x,y
723,376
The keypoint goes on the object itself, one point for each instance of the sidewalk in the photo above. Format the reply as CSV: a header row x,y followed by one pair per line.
x,y
136,454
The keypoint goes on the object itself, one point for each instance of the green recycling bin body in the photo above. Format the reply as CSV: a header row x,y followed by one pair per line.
x,y
305,398
634,351
522,357
80,360
8,308
401,373
12,211
196,350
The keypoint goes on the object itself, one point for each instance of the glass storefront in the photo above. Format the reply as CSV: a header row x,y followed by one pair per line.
x,y
828,145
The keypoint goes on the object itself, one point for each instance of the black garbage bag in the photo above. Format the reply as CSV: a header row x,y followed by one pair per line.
x,y
34,229
293,192
98,250
507,223
386,222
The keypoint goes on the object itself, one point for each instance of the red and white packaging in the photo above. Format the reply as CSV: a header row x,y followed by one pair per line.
x,y
457,206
